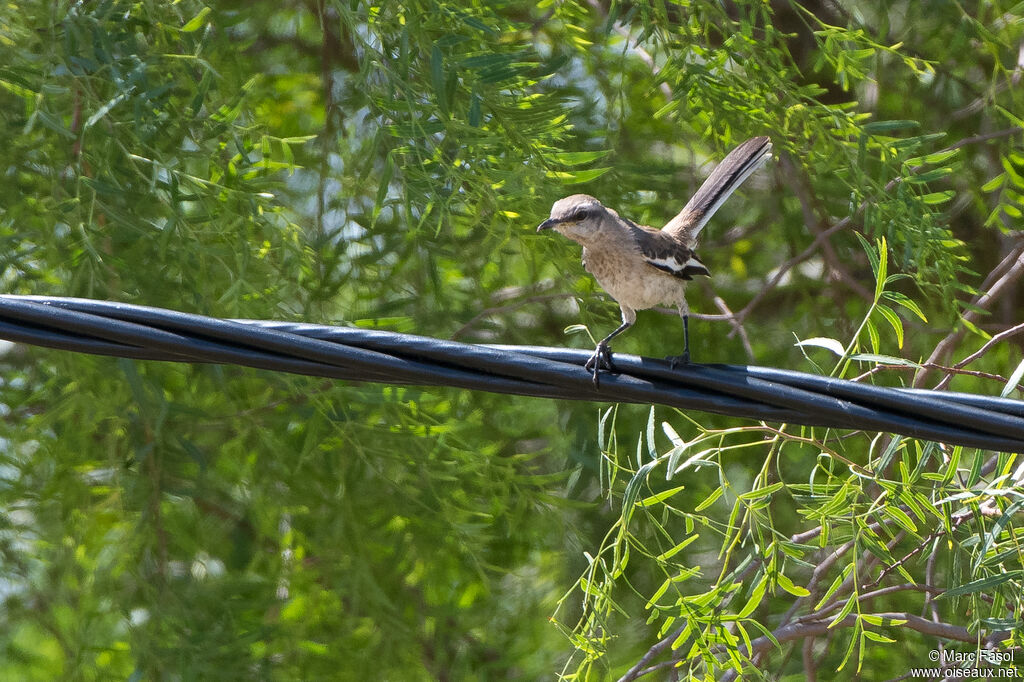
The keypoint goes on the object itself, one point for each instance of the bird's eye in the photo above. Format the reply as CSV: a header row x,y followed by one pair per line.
x,y
581,214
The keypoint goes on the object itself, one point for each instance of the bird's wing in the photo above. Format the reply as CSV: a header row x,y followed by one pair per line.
x,y
661,250
723,181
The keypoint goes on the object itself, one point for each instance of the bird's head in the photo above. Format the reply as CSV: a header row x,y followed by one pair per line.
x,y
578,217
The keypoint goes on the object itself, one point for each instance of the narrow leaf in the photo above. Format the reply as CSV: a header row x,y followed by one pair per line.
x,y
766,491
894,321
660,497
577,177
710,499
437,78
938,197
980,585
888,126
884,359
994,184
196,22
639,479
577,158
822,342
1013,381
788,585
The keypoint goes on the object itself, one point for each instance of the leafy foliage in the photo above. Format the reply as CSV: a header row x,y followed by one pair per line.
x,y
382,164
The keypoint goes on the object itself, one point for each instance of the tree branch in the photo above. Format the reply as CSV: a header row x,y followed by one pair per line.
x,y
637,670
801,630
1012,273
1001,336
848,220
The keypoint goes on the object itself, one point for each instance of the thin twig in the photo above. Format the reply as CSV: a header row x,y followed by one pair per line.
x,y
781,271
807,654
737,326
1001,336
981,303
941,368
819,572
637,670
866,596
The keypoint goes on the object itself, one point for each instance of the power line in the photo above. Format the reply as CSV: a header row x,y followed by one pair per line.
x,y
761,393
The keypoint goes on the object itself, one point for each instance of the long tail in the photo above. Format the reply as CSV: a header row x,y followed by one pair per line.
x,y
723,181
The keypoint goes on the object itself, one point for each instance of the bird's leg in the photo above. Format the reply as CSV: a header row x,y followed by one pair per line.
x,y
602,357
684,359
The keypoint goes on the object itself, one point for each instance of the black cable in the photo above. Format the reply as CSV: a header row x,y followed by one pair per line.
x,y
762,393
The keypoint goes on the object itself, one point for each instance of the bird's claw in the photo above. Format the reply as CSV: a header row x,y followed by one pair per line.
x,y
601,359
676,360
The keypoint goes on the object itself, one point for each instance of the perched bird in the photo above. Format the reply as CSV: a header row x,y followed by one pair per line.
x,y
640,266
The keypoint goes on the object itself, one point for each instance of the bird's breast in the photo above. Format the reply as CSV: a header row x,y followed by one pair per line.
x,y
632,281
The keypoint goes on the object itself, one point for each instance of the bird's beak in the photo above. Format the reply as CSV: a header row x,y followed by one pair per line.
x,y
547,224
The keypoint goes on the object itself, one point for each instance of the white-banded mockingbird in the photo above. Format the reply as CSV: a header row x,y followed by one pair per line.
x,y
640,266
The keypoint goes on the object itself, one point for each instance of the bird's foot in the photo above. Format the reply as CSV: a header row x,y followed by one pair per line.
x,y
677,360
601,359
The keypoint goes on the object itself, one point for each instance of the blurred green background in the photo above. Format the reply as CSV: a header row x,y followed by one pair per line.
x,y
384,165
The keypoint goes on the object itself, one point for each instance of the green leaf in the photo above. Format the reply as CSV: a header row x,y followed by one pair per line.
x,y
1013,118
632,492
437,79
766,491
981,585
888,126
953,464
844,612
938,197
668,554
894,321
939,157
991,537
660,497
822,342
673,459
930,176
916,141
870,252
900,517
196,22
576,158
994,184
884,359
756,596
658,593
1013,381
890,452
788,585
834,586
883,267
489,60
104,110
710,499
577,177
383,187
416,130
474,117
873,336
975,474
903,300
